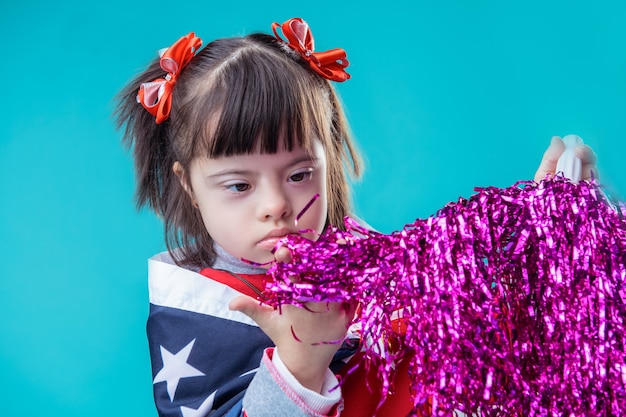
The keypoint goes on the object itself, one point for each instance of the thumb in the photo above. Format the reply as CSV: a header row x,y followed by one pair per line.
x,y
250,307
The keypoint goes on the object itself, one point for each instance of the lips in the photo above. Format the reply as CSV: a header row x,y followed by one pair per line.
x,y
272,238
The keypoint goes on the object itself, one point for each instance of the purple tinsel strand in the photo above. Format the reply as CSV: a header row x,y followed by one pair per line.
x,y
513,301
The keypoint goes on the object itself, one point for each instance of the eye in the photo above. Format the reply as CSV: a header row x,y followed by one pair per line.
x,y
238,187
302,175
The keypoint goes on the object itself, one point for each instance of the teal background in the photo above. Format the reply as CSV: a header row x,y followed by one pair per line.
x,y
445,96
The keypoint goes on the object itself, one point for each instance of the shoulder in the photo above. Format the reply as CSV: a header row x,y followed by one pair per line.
x,y
166,257
173,286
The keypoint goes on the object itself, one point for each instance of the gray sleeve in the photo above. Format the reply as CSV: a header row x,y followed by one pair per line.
x,y
266,397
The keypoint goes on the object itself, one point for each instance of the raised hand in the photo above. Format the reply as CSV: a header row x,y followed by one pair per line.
x,y
551,156
306,338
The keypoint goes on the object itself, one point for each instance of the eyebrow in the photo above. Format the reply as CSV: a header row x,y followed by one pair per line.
x,y
295,161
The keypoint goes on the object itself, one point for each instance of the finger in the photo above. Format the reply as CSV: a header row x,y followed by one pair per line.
x,y
550,158
589,172
283,255
586,155
350,308
244,304
589,160
250,307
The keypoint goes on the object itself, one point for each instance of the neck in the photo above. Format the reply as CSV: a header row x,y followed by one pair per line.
x,y
228,262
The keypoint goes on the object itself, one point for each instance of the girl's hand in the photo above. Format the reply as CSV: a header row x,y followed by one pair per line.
x,y
587,157
306,338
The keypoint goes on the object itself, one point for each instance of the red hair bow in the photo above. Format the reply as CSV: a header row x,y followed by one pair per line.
x,y
329,64
156,96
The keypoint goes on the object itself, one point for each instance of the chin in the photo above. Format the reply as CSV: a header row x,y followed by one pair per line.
x,y
263,261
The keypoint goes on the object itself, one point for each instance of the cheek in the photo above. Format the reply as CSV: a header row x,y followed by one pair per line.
x,y
220,225
217,216
322,203
313,220
208,220
318,213
324,198
323,216
214,216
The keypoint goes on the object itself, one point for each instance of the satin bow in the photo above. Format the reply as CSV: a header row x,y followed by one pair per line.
x,y
329,64
156,96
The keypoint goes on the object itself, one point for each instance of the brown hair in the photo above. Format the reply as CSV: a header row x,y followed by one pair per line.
x,y
237,95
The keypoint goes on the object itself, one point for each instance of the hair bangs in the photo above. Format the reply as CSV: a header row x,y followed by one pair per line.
x,y
264,106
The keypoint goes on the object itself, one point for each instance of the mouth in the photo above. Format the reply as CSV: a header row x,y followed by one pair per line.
x,y
270,241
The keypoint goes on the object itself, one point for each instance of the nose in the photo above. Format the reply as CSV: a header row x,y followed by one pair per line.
x,y
274,204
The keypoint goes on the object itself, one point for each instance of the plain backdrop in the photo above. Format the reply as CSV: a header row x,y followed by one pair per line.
x,y
444,96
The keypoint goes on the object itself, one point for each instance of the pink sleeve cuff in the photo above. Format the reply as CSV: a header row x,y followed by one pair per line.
x,y
314,403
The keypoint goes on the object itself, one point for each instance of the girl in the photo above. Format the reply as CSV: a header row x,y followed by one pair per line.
x,y
231,142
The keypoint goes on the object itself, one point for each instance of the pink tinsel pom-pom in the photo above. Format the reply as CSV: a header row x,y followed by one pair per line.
x,y
511,302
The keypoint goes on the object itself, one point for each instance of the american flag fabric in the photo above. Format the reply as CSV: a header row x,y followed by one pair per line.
x,y
203,355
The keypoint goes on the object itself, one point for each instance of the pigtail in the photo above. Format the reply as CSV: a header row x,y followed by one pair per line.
x,y
155,152
149,142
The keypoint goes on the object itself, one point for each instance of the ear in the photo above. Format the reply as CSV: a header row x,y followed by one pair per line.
x,y
179,171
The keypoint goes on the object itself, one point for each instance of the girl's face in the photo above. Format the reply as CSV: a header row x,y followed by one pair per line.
x,y
249,202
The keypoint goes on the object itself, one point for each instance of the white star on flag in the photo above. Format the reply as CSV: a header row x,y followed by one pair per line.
x,y
175,367
202,411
